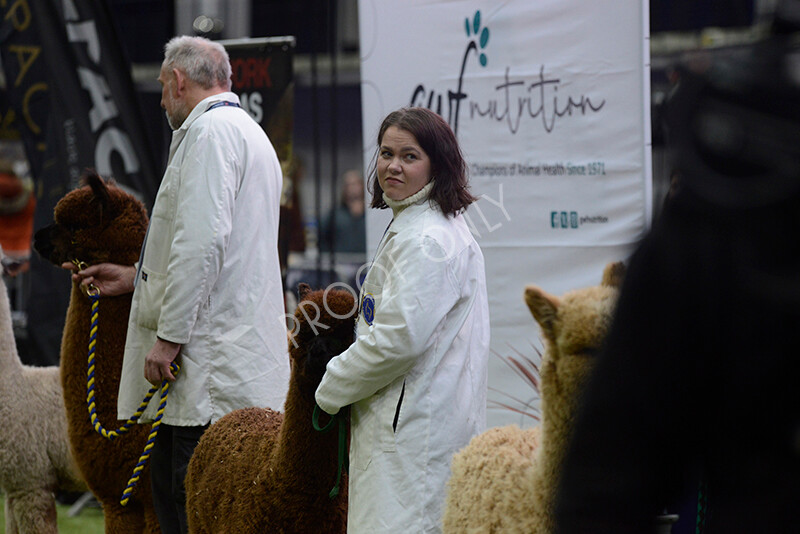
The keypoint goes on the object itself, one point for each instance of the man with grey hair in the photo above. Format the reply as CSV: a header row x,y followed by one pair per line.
x,y
207,291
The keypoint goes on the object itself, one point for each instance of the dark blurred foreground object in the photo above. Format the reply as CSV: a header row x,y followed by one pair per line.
x,y
734,122
687,15
697,385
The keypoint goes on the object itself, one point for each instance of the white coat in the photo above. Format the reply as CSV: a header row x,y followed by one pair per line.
x,y
416,375
209,277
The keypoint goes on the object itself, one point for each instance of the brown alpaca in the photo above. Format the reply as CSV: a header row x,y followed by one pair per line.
x,y
256,470
505,479
94,224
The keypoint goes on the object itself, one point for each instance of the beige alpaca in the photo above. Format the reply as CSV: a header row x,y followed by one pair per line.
x,y
35,460
504,480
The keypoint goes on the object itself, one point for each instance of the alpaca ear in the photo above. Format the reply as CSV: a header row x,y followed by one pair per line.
x,y
544,308
96,182
99,188
613,274
303,289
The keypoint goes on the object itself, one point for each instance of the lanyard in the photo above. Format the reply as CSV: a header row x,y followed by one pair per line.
x,y
222,103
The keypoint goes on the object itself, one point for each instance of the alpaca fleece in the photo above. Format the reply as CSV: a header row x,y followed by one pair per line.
x,y
35,460
257,470
100,223
505,479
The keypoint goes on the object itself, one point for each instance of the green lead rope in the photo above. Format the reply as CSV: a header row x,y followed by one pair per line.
x,y
702,507
342,463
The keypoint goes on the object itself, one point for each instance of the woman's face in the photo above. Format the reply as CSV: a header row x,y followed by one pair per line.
x,y
403,167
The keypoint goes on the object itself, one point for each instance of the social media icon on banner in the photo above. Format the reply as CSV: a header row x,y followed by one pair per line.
x,y
564,219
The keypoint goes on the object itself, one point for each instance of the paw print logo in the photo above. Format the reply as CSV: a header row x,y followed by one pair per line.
x,y
478,39
474,28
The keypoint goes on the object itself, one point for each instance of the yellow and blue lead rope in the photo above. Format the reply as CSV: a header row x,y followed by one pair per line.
x,y
113,434
137,471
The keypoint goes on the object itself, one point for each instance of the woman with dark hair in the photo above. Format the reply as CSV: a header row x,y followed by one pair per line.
x,y
439,143
416,375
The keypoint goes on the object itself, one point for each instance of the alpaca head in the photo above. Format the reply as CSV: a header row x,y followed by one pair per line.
x,y
323,327
574,328
96,223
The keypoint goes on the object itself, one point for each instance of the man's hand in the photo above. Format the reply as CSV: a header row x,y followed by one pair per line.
x,y
156,363
109,278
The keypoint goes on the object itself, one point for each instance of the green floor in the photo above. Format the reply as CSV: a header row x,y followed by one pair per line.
x,y
89,521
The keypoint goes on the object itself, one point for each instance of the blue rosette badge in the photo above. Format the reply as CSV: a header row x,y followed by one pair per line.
x,y
368,308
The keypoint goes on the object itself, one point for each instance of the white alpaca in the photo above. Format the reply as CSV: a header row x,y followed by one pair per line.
x,y
35,459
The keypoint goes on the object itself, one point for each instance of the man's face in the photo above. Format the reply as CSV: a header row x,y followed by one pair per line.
x,y
173,105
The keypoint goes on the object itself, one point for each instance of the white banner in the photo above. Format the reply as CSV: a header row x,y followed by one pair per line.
x,y
550,102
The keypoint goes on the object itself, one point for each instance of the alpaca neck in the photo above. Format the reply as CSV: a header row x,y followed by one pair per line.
x,y
110,342
308,453
558,407
561,382
9,359
556,428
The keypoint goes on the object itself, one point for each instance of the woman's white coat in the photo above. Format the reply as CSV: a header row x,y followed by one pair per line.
x,y
417,374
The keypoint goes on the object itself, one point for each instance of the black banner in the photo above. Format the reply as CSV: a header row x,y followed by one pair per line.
x,y
263,77
68,52
95,98
26,102
72,98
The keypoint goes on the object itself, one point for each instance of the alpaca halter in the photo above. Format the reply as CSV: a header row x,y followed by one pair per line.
x,y
91,290
111,435
342,463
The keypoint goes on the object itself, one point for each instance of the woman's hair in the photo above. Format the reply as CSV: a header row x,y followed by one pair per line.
x,y
448,169
205,62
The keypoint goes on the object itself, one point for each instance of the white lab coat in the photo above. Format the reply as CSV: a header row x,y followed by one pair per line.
x,y
210,277
417,375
